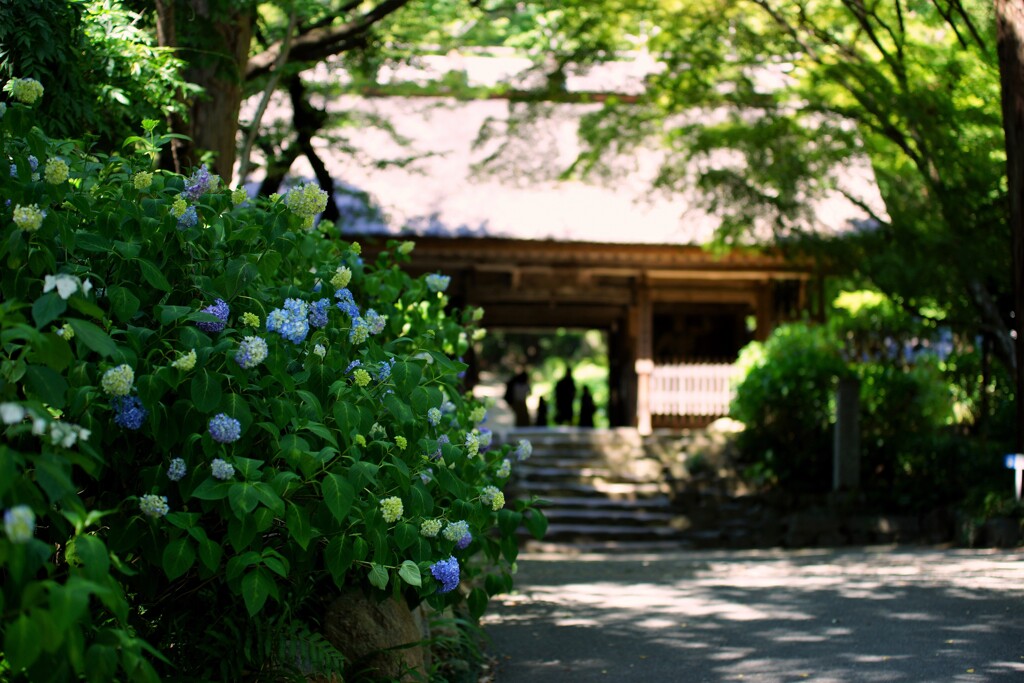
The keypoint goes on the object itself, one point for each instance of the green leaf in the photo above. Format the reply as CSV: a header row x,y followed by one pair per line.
x,y
347,416
243,498
421,503
477,603
338,556
179,555
211,489
94,556
22,643
405,535
269,497
241,532
206,392
100,663
363,473
168,314
536,523
297,520
338,495
509,521
378,576
210,554
406,376
123,303
48,386
410,573
48,308
256,588
399,408
153,276
93,337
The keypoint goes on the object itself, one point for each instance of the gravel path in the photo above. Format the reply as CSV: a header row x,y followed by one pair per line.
x,y
831,616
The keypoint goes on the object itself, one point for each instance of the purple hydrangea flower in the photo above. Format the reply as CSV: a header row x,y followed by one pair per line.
x,y
464,542
225,429
375,321
220,309
384,370
447,572
129,413
197,185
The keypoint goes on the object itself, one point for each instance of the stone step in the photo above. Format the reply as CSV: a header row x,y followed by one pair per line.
x,y
614,491
576,515
654,503
603,532
549,471
578,547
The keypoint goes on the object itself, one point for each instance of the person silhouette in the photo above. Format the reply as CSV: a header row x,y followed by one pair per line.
x,y
587,408
565,396
542,413
516,392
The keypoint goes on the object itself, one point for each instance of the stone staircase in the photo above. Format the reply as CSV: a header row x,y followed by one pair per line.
x,y
602,491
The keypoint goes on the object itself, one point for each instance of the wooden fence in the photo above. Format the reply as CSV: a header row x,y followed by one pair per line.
x,y
692,389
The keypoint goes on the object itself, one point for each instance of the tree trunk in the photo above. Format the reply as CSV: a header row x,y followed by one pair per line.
x,y
217,63
1010,45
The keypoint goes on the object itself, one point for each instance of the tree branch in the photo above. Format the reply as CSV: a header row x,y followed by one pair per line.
x,y
318,43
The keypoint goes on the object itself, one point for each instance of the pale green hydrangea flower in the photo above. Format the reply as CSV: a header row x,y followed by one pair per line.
x,y
179,207
456,530
320,350
28,218
250,319
142,180
239,195
430,528
391,508
118,381
492,496
25,90
361,377
56,171
405,248
186,361
342,276
401,442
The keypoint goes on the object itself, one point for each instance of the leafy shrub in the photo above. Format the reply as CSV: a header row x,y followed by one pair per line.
x,y
214,416
786,399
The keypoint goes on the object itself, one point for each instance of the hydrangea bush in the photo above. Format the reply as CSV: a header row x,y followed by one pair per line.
x,y
215,415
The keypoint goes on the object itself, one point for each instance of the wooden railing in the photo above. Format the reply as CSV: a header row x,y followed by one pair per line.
x,y
702,389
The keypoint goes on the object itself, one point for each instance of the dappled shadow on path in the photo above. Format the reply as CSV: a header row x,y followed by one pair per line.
x,y
765,616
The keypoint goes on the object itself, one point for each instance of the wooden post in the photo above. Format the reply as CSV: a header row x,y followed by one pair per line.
x,y
846,450
644,361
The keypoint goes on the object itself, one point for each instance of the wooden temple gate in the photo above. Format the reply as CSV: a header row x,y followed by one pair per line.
x,y
676,316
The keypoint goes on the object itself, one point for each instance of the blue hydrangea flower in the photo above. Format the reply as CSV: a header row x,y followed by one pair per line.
x,y
251,352
176,469
434,416
318,313
19,523
153,505
220,309
447,572
197,185
221,469
129,413
189,219
375,321
33,163
464,542
352,366
384,370
456,531
291,321
346,302
225,429
437,282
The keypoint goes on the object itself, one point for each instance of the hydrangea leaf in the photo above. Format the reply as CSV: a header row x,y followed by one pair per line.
x,y
410,573
378,576
22,642
93,337
123,303
151,273
297,520
206,391
338,495
178,558
477,602
48,308
243,498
